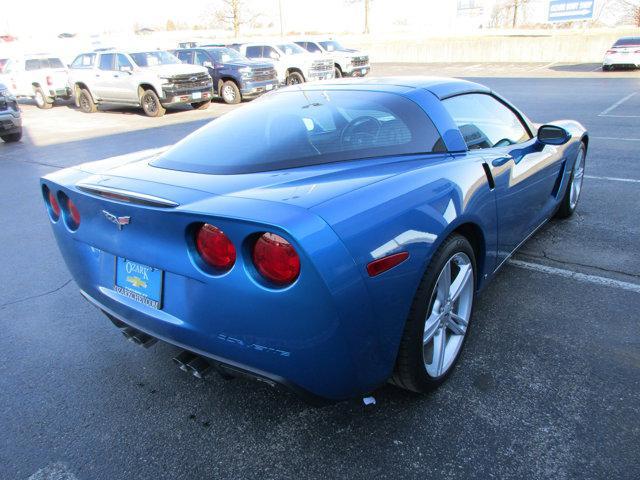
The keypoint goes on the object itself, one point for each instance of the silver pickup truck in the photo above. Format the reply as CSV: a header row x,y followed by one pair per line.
x,y
153,80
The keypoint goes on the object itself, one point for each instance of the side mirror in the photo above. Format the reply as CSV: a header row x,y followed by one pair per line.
x,y
126,68
274,55
553,135
207,64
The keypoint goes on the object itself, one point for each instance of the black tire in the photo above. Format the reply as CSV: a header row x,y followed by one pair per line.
x,y
410,370
294,78
337,71
201,105
567,204
230,92
151,104
42,101
607,68
85,102
12,137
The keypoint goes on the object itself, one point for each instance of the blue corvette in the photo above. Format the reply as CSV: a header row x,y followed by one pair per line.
x,y
328,237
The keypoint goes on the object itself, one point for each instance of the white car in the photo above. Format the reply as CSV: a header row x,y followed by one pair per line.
x,y
624,53
348,62
293,64
153,80
42,78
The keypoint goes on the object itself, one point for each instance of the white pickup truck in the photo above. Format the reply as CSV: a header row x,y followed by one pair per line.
x,y
347,61
153,80
42,78
293,64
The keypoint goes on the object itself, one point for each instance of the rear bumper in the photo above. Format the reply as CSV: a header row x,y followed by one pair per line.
x,y
253,373
621,59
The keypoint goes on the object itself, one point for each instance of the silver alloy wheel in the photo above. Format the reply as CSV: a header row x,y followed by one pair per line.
x,y
447,321
150,104
576,182
40,100
228,93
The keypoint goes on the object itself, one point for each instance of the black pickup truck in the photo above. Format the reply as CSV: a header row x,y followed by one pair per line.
x,y
234,77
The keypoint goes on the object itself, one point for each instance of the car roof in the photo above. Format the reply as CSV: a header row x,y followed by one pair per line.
x,y
441,87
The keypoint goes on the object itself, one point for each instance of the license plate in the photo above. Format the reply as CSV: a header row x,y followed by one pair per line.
x,y
139,282
196,95
268,87
363,71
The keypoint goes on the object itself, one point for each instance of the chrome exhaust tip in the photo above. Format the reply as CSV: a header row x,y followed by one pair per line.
x,y
199,367
183,358
143,339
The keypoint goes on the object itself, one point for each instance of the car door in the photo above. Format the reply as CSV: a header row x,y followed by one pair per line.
x,y
526,173
102,82
211,61
124,87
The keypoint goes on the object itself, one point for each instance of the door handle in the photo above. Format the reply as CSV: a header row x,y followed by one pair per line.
x,y
97,74
498,162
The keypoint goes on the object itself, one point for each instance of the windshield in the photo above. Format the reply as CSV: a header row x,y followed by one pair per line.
x,y
224,55
291,49
331,45
151,59
627,41
297,128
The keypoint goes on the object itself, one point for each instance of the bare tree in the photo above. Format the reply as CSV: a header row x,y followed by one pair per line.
x,y
630,10
235,13
507,12
367,10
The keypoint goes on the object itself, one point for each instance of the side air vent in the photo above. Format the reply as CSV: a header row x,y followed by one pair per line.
x,y
127,196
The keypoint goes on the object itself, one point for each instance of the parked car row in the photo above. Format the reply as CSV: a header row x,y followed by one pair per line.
x,y
192,74
10,119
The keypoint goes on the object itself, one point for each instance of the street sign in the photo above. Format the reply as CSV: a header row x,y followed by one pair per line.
x,y
567,10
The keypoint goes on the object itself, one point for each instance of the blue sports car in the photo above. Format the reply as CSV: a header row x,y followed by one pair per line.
x,y
328,237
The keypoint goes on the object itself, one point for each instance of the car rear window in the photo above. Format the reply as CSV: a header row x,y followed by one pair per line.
x,y
297,128
622,42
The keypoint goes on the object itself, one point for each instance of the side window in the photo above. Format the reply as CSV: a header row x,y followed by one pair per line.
x,y
32,64
201,57
123,61
270,52
106,61
312,47
254,52
84,61
485,122
185,56
55,63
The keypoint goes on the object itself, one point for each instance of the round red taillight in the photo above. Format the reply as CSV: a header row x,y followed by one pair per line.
x,y
215,248
53,203
73,211
276,259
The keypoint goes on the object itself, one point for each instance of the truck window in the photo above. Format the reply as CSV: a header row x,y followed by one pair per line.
x,y
185,56
201,57
55,63
106,61
123,61
84,61
312,47
32,64
254,52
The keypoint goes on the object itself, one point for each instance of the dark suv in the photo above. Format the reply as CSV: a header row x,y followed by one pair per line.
x,y
234,77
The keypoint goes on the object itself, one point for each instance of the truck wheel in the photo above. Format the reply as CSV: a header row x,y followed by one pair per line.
x,y
85,102
337,72
201,105
12,137
151,104
294,78
41,99
230,93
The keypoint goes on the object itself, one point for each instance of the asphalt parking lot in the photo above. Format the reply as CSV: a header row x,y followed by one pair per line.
x,y
548,385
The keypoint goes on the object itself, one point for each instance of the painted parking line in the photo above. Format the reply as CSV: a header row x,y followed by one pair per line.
x,y
613,179
581,277
616,105
621,139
